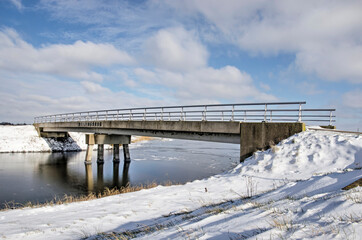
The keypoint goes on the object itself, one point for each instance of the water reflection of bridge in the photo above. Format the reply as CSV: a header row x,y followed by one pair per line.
x,y
55,170
100,178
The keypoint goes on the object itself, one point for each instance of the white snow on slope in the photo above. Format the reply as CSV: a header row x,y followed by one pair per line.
x,y
305,154
295,188
26,139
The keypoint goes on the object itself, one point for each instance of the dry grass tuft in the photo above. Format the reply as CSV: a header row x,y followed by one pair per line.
x,y
353,185
284,224
91,196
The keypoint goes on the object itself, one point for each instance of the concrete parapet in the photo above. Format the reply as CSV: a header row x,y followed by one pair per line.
x,y
258,136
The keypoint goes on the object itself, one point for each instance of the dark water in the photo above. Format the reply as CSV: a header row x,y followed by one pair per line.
x,y
39,177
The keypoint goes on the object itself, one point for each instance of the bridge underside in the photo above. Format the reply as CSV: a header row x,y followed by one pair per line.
x,y
250,136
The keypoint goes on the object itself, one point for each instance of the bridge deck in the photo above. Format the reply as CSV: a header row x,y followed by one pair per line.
x,y
247,124
227,132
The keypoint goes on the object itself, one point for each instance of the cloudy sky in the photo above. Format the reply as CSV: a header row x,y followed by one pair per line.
x,y
78,55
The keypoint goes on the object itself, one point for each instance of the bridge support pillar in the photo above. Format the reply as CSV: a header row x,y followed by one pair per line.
x,y
100,154
127,157
116,153
90,143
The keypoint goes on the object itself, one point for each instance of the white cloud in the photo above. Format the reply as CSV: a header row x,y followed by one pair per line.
x,y
227,83
17,4
24,96
175,49
178,62
325,35
92,87
319,33
75,60
333,62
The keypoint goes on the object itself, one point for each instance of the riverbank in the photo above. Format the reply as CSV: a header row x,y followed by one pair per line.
x,y
25,139
291,191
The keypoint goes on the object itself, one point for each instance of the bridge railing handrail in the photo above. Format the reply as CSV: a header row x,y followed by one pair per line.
x,y
184,106
210,112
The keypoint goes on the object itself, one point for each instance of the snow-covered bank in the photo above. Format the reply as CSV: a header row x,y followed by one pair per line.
x,y
295,188
26,139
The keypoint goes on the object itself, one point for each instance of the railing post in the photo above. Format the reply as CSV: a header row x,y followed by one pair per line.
x,y
156,116
130,114
222,115
97,116
245,116
161,114
169,116
144,115
300,113
265,113
204,114
271,117
106,115
117,114
232,113
182,113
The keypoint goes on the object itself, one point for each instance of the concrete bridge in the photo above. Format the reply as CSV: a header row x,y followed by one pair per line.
x,y
253,126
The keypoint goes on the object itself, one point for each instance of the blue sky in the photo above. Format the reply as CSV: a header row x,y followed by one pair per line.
x,y
63,56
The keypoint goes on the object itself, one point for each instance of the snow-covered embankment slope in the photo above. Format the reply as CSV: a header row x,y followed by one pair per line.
x,y
295,191
25,139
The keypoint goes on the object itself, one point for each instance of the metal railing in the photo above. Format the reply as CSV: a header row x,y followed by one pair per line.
x,y
245,112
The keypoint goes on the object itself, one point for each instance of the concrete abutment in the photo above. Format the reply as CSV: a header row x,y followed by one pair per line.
x,y
259,136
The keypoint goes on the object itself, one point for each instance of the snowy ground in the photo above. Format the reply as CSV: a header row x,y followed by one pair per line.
x,y
25,139
292,191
